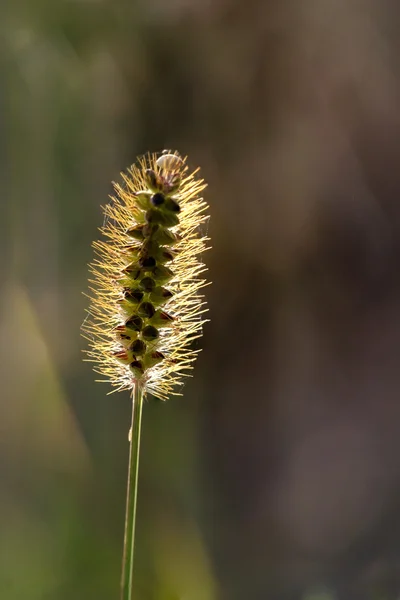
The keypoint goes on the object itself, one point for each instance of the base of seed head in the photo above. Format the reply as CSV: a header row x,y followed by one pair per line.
x,y
146,310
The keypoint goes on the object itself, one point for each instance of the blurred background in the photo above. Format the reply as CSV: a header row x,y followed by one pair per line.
x,y
277,475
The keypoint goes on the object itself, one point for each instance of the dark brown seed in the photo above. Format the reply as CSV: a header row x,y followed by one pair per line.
x,y
134,323
138,347
150,333
147,284
158,199
134,296
147,262
146,309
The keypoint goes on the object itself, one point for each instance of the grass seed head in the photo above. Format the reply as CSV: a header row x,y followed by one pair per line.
x,y
146,309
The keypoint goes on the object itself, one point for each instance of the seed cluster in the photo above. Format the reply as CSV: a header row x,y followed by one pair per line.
x,y
145,303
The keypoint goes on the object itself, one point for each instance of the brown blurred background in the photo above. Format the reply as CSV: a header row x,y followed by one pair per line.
x,y
277,475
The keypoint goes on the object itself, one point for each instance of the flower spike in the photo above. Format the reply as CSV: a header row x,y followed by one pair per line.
x,y
145,304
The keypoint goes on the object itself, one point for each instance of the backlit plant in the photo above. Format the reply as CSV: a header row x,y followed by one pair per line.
x,y
146,309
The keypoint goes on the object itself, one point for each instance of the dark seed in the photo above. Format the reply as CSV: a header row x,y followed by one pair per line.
x,y
150,333
146,309
138,347
157,199
133,296
147,284
134,323
147,262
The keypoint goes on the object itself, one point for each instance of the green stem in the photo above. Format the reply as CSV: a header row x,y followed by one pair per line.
x,y
131,495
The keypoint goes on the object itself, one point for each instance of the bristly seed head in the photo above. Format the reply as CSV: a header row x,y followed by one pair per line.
x,y
144,315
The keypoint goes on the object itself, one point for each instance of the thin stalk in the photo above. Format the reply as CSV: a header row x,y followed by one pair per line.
x,y
131,495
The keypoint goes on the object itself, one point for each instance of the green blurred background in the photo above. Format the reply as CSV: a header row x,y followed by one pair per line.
x,y
277,475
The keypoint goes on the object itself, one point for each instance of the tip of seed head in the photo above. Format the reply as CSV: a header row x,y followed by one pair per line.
x,y
169,162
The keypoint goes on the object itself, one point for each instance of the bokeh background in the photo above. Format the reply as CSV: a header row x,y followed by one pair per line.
x,y
277,475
